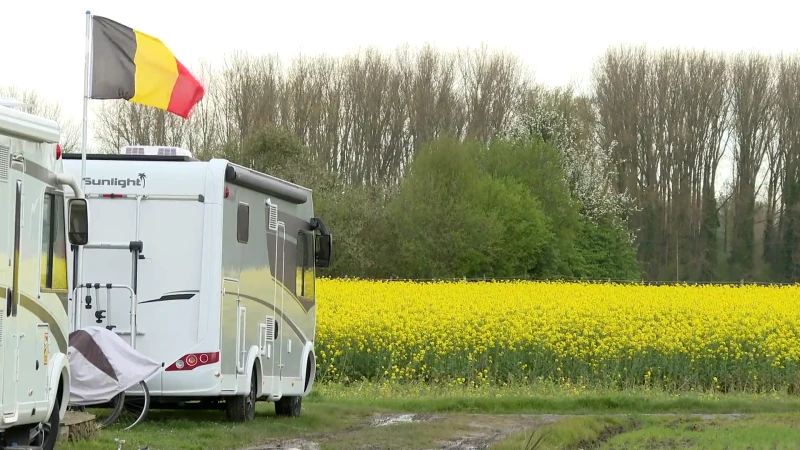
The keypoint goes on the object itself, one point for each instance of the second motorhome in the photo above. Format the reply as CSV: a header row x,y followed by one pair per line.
x,y
34,328
207,267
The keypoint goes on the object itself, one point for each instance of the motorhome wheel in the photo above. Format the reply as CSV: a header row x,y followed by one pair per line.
x,y
289,406
44,435
242,408
50,429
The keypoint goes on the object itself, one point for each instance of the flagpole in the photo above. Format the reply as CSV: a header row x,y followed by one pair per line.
x,y
86,85
85,137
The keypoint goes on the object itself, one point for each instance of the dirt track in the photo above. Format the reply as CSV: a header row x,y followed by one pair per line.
x,y
434,431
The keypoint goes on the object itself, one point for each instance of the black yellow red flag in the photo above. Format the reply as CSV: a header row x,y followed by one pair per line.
x,y
130,65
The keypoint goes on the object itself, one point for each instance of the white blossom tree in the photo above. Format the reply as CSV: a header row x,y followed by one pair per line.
x,y
554,115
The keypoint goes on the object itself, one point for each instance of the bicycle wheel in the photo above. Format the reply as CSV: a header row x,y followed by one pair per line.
x,y
136,406
106,413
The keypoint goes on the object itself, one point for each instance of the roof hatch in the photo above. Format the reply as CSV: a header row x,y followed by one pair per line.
x,y
154,150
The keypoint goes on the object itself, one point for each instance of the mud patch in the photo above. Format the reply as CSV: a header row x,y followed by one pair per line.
x,y
721,416
382,420
486,430
461,431
473,443
291,444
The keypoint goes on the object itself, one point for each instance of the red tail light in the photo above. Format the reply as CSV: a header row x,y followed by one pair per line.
x,y
58,151
193,360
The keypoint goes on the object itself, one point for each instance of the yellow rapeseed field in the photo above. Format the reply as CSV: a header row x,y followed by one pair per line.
x,y
676,337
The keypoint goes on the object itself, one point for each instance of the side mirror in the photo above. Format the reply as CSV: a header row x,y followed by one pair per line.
x,y
323,253
78,221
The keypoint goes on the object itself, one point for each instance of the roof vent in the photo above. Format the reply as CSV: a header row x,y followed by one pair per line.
x,y
154,150
273,215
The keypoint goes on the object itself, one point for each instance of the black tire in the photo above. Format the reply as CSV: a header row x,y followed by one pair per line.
x,y
242,408
50,429
45,434
289,406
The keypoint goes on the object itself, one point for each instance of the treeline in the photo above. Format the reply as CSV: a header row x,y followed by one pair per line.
x,y
674,115
36,104
435,164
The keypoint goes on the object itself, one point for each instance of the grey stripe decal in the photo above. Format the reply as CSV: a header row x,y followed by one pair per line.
x,y
40,313
280,313
36,171
44,315
185,295
182,295
64,300
293,223
290,275
290,252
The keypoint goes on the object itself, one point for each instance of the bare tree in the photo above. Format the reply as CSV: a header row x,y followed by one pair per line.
x,y
70,129
754,131
363,115
782,246
665,116
653,131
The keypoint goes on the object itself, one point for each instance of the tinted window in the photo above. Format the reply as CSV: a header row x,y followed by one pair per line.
x,y
54,243
243,223
47,238
305,265
60,245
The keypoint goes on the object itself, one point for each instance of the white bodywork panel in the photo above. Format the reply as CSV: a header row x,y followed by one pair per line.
x,y
199,290
33,318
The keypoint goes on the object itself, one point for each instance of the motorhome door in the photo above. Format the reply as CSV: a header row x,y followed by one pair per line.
x,y
271,339
9,336
108,259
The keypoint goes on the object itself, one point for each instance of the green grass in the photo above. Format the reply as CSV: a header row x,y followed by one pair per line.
x,y
338,417
572,432
773,431
208,430
547,398
762,431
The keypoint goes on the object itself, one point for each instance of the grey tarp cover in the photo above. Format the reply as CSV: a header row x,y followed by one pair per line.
x,y
102,365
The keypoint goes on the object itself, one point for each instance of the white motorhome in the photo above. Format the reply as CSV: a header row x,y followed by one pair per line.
x,y
34,326
207,267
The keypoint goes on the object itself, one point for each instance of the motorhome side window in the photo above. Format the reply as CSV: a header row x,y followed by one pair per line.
x,y
243,223
54,243
305,265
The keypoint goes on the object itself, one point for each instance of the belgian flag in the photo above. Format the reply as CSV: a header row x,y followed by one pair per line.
x,y
130,65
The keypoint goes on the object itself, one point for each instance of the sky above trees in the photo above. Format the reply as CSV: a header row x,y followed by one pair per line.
x,y
557,41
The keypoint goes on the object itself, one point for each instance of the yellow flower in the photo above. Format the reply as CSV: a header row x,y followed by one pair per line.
x,y
743,337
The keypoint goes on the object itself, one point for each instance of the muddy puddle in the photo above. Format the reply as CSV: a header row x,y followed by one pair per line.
x,y
382,420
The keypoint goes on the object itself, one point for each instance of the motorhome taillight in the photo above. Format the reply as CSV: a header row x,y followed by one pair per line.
x,y
193,360
227,192
58,151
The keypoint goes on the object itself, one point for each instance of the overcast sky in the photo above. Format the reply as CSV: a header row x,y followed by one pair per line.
x,y
43,40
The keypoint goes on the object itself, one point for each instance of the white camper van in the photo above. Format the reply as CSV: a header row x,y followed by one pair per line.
x,y
34,327
207,267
